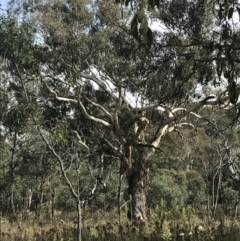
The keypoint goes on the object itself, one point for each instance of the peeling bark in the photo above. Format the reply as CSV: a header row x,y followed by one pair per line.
x,y
137,181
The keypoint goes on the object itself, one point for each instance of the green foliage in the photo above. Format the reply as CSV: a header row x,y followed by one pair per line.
x,y
60,133
3,183
196,187
16,44
127,120
144,31
18,116
3,102
229,193
64,201
166,232
177,188
170,186
106,195
233,92
148,38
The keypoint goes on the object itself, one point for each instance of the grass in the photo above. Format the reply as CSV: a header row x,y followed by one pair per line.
x,y
98,225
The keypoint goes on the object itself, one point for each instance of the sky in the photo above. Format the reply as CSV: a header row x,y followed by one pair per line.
x,y
3,3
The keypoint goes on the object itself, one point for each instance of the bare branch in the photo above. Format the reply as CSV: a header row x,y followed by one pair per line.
x,y
116,123
163,129
178,109
172,128
108,78
57,79
117,108
159,134
73,101
116,152
150,146
196,115
184,109
97,120
100,107
81,142
147,108
99,83
195,107
186,124
81,106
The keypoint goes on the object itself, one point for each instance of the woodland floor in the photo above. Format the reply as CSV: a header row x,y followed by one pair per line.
x,y
99,225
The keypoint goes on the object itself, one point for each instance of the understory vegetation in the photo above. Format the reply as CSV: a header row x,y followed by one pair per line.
x,y
163,224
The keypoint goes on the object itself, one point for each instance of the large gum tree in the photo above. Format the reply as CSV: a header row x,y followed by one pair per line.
x,y
125,95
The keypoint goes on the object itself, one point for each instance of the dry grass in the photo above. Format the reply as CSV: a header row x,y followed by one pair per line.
x,y
100,225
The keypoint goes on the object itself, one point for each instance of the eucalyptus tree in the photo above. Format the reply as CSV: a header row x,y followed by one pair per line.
x,y
120,99
209,25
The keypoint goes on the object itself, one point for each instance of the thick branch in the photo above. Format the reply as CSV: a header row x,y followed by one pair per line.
x,y
89,117
172,128
114,150
81,106
73,101
116,123
81,142
161,131
195,107
100,107
99,83
150,146
184,109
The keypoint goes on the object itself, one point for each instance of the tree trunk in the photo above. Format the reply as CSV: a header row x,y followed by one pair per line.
x,y
53,203
79,220
12,206
30,194
137,181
